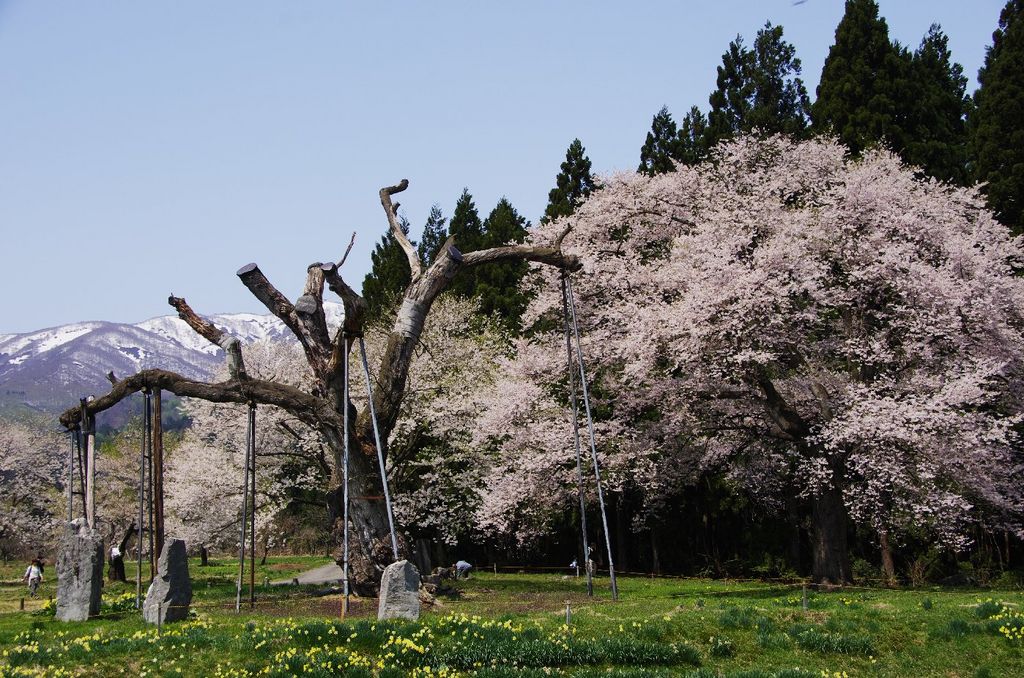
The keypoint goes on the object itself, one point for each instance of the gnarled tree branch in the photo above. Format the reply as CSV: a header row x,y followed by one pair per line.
x,y
310,306
317,352
305,407
204,328
549,254
415,265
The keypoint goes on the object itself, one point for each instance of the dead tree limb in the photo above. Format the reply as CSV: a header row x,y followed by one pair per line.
x,y
307,408
391,210
216,336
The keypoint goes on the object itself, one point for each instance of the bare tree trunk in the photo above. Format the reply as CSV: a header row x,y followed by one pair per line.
x,y
655,556
204,556
831,554
888,566
795,533
116,570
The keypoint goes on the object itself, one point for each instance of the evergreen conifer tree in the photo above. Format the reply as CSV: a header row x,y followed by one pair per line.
x,y
997,123
388,276
936,129
864,82
572,185
730,103
758,89
498,285
780,101
434,235
693,136
467,229
663,147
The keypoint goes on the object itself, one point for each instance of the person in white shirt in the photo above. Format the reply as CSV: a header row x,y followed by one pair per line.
x,y
33,576
462,569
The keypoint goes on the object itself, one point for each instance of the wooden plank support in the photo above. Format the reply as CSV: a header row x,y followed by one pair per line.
x,y
158,473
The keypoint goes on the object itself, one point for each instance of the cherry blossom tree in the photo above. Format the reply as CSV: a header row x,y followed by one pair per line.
x,y
812,324
33,468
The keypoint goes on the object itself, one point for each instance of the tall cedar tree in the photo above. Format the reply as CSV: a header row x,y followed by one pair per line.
x,y
758,89
465,226
498,285
434,235
864,82
936,129
693,136
388,276
997,123
663,147
572,185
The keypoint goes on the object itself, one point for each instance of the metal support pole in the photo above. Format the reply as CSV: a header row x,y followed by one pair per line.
x,y
142,493
576,442
593,443
344,486
252,510
380,449
245,508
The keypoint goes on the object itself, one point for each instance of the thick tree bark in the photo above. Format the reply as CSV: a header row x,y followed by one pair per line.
x,y
795,533
888,566
831,555
655,556
324,406
116,570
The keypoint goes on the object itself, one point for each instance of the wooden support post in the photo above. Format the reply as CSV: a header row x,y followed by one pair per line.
x,y
90,470
252,512
158,474
71,478
149,503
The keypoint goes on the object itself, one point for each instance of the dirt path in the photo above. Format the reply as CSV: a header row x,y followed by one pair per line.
x,y
325,574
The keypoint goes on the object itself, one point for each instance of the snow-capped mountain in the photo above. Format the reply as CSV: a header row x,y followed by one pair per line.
x,y
49,370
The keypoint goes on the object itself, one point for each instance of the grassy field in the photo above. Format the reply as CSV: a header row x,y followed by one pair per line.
x,y
514,625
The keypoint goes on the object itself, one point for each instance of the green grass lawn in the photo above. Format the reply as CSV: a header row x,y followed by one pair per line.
x,y
513,625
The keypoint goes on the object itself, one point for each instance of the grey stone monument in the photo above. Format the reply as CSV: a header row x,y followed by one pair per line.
x,y
399,592
79,572
170,594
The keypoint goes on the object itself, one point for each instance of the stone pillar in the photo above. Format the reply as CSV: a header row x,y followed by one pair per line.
x,y
170,594
79,572
399,592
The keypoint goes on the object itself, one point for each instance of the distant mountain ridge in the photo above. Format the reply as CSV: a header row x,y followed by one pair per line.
x,y
48,370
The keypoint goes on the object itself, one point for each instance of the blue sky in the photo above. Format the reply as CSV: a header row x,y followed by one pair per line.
x,y
154,147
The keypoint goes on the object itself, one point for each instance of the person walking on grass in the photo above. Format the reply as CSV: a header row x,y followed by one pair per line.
x,y
34,576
